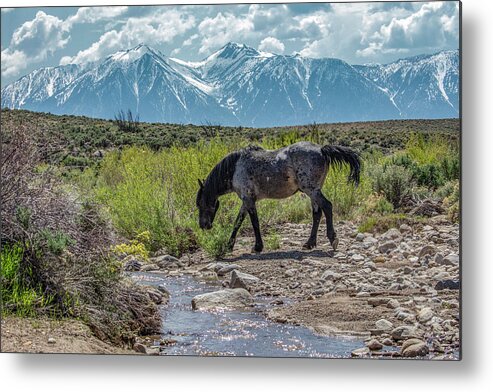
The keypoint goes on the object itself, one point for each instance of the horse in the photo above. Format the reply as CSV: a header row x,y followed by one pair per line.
x,y
254,173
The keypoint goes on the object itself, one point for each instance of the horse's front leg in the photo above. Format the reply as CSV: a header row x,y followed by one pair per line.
x,y
252,211
238,222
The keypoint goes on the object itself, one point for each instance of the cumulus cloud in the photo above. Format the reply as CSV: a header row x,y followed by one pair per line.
x,y
271,44
33,42
154,29
94,14
433,25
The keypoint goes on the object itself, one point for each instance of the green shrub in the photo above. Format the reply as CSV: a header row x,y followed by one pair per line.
x,y
18,296
272,240
394,182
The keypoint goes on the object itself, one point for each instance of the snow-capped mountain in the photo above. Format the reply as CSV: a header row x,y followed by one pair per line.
x,y
425,86
239,85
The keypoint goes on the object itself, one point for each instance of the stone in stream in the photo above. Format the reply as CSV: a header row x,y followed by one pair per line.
x,y
403,332
222,269
131,264
166,261
156,295
223,299
242,280
374,345
149,267
414,348
360,352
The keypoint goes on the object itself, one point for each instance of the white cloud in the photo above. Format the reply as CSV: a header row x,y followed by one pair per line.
x,y
433,25
94,14
33,42
6,10
223,28
157,28
271,44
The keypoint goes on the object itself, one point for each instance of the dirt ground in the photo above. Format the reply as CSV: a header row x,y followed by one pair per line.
x,y
52,336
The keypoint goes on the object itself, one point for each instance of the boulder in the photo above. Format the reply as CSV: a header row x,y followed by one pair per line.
x,y
149,267
132,264
414,348
374,345
384,325
427,250
156,296
166,261
360,352
391,234
223,299
447,284
242,280
223,268
425,315
386,247
403,332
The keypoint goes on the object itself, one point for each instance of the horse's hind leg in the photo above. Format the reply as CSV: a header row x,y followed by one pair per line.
x,y
252,211
316,215
327,209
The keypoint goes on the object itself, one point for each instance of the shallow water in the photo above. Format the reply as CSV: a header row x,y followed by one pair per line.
x,y
235,333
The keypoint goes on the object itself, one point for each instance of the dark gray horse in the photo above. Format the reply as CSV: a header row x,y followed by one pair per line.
x,y
255,174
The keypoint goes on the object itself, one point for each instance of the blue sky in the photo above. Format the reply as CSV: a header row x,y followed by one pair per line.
x,y
357,33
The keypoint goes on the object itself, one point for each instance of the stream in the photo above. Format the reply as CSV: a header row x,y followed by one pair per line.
x,y
234,333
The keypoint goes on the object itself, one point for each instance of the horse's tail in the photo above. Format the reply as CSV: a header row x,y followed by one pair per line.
x,y
338,155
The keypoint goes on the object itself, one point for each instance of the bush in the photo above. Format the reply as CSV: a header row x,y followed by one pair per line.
x,y
393,182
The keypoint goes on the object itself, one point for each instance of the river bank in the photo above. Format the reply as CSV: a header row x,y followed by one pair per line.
x,y
391,288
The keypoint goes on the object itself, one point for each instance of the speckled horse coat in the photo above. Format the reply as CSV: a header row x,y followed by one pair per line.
x,y
254,174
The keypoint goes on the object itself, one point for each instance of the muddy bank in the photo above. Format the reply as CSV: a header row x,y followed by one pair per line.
x,y
43,335
389,288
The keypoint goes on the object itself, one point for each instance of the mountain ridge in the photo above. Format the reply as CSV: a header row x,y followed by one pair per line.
x,y
239,85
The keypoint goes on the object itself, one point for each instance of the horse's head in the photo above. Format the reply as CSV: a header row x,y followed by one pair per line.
x,y
207,206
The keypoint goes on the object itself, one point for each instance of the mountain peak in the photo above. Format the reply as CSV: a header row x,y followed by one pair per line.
x,y
135,53
233,50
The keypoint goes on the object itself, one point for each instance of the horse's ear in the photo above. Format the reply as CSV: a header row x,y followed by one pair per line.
x,y
201,184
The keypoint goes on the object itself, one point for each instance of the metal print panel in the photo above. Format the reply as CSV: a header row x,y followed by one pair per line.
x,y
266,180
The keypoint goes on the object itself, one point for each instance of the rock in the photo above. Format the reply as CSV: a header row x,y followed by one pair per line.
x,y
360,352
447,284
290,272
166,261
131,264
153,350
425,315
378,301
374,345
51,340
427,250
379,259
403,332
227,269
359,237
140,348
357,257
371,265
386,247
405,228
451,259
242,280
384,325
155,295
393,303
391,234
163,289
149,267
387,342
223,299
414,348
330,275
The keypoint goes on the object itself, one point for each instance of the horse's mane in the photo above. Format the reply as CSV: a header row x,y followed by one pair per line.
x,y
219,180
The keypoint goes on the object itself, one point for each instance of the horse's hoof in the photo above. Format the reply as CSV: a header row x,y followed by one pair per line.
x,y
335,243
308,246
256,249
